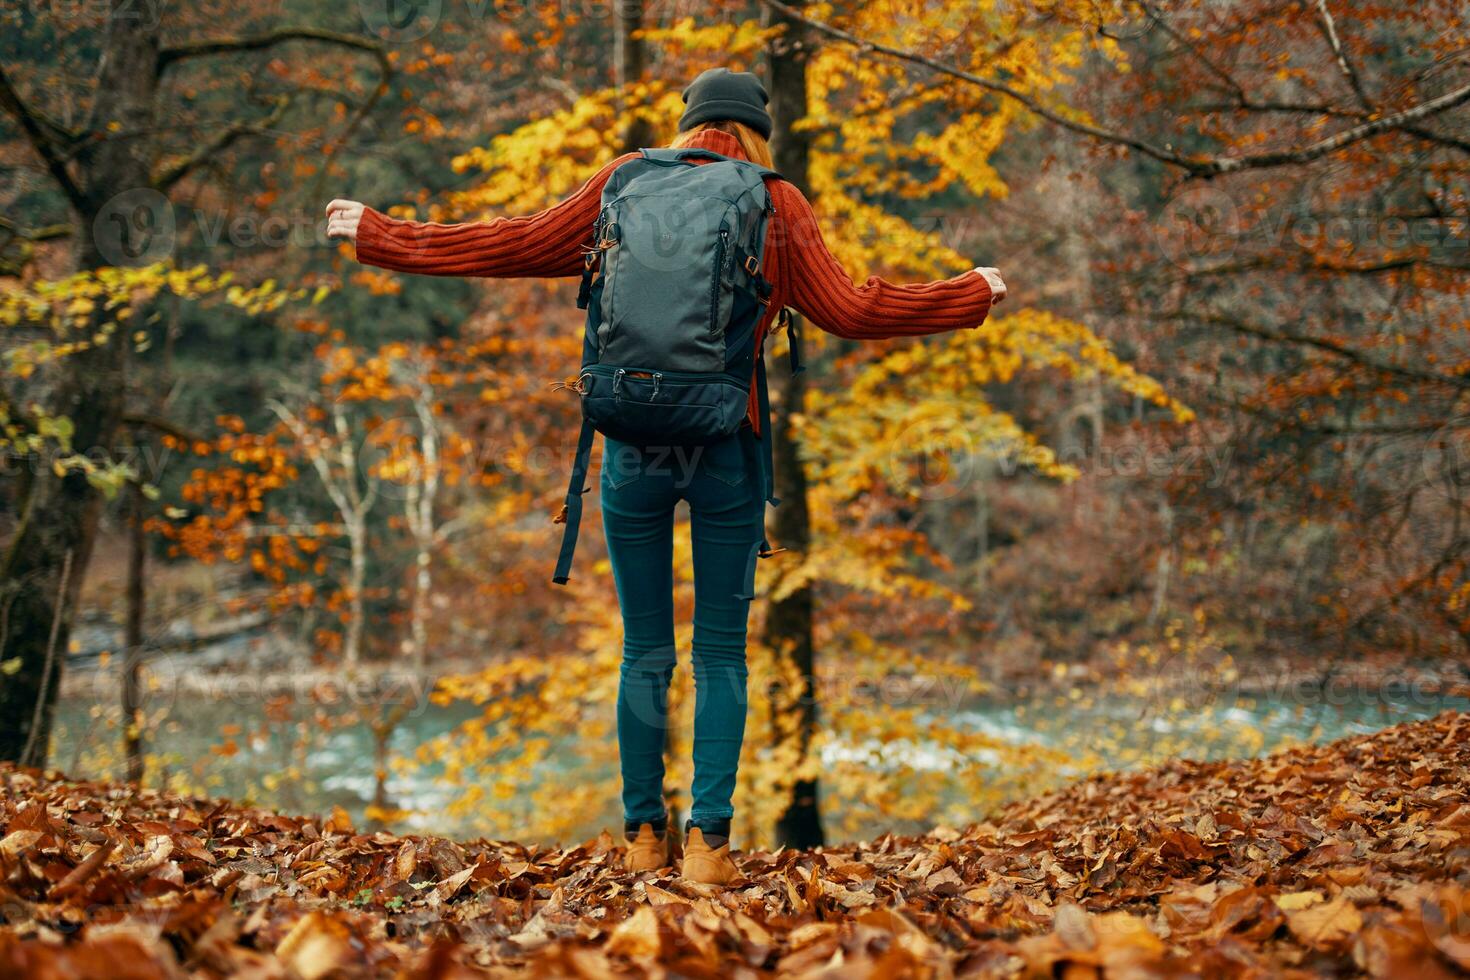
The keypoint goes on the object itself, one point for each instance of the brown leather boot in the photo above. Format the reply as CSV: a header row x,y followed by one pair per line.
x,y
707,865
650,851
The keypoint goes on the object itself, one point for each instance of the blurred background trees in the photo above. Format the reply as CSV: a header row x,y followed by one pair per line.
x,y
1221,416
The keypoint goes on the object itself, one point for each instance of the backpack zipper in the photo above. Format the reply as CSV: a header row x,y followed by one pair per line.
x,y
664,379
714,290
599,228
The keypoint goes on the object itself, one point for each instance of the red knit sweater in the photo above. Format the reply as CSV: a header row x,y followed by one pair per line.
x,y
802,271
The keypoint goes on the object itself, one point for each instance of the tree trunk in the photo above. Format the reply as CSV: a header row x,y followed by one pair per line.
x,y
422,585
419,511
789,620
1163,567
356,582
133,640
47,560
629,61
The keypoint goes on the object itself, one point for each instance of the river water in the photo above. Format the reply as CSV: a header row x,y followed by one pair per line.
x,y
307,759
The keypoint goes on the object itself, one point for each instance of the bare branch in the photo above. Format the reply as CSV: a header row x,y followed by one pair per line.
x,y
1329,31
39,234
160,424
1271,105
222,141
1429,135
1333,347
51,152
1215,69
1397,120
1252,105
317,456
335,147
1288,420
257,42
1198,166
11,232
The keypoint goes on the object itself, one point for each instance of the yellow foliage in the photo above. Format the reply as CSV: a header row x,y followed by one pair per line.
x,y
917,419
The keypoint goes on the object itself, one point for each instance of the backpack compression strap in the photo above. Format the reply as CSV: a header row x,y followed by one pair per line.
x,y
571,512
761,460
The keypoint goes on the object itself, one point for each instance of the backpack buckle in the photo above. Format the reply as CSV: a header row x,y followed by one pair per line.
x,y
752,265
763,288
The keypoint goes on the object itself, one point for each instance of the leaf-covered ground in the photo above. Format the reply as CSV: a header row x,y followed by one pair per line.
x,y
1348,858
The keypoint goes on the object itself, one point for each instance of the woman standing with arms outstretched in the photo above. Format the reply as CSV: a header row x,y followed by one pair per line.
x,y
726,115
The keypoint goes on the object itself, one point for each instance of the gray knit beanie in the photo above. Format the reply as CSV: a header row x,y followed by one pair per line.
x,y
719,93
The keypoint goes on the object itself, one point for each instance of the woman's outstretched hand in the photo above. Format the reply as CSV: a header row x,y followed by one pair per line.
x,y
992,275
342,219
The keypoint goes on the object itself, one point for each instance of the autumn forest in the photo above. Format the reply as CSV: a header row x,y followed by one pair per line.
x,y
1121,631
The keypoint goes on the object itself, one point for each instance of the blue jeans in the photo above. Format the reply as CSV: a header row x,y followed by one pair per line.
x,y
639,490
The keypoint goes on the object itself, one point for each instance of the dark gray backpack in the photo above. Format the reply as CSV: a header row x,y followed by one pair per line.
x,y
673,292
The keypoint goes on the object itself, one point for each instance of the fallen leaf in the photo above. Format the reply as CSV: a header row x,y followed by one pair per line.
x,y
1326,925
316,946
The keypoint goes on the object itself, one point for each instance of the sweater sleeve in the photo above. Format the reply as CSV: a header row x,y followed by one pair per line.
x,y
820,289
545,244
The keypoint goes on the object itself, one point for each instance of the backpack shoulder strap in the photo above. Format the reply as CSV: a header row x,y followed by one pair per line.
x,y
621,175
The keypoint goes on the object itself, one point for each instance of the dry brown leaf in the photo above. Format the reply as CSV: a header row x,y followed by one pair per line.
x,y
1085,881
18,841
340,821
316,946
640,935
1326,925
450,886
1074,927
661,896
84,871
1296,901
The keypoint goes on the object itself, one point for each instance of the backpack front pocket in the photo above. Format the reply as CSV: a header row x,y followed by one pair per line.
x,y
663,408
